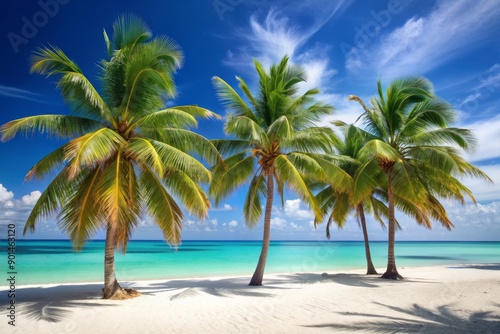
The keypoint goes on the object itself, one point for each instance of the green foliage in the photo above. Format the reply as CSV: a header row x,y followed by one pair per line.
x,y
275,136
415,147
127,155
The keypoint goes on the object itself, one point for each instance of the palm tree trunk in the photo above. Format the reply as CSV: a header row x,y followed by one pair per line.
x,y
111,285
261,265
370,269
113,290
391,271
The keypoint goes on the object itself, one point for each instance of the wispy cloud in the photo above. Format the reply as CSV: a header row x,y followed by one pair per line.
x,y
488,137
268,38
487,85
22,94
424,43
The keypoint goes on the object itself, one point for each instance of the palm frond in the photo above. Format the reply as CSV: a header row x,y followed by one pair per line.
x,y
378,149
115,198
189,142
173,158
280,128
231,146
142,151
245,128
313,140
248,94
161,206
406,184
148,77
81,215
188,192
47,164
231,100
171,117
462,138
51,200
229,175
129,30
61,126
366,179
75,87
252,209
289,174
91,149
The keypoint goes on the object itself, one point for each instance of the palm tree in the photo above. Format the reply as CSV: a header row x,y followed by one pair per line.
x,y
128,154
339,205
418,153
276,130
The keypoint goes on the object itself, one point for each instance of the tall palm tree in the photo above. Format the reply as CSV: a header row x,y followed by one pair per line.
x,y
277,130
128,154
339,205
417,151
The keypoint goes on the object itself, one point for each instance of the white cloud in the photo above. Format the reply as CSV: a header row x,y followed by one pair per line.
x,y
281,224
211,226
488,136
270,38
225,207
230,225
296,227
31,198
482,190
452,28
14,210
278,223
5,195
294,209
484,216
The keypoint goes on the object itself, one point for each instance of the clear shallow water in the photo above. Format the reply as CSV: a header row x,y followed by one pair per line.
x,y
54,261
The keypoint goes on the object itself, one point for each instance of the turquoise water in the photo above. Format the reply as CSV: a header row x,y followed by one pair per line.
x,y
54,261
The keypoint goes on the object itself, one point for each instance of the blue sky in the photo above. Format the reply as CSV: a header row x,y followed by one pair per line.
x,y
344,46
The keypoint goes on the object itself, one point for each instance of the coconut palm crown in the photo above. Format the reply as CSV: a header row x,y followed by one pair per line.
x,y
276,143
338,205
128,154
418,152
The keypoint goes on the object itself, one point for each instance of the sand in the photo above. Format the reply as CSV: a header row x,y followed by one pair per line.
x,y
444,299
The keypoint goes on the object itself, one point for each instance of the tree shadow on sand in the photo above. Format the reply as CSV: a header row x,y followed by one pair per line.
x,y
54,304
218,287
238,286
418,319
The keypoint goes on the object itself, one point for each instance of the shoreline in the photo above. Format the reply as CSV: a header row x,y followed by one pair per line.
x,y
433,299
237,275
151,261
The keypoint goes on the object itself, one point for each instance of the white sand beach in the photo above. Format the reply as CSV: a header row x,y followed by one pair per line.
x,y
445,299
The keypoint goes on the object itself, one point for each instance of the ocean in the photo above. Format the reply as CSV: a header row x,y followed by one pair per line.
x,y
54,261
